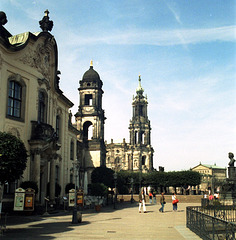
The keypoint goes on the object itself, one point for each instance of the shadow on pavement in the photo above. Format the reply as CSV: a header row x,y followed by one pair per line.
x,y
40,231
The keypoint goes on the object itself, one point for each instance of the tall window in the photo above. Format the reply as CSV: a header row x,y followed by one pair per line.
x,y
42,107
58,126
89,99
14,99
71,150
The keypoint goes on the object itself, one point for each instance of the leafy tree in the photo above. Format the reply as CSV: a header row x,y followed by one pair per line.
x,y
30,184
98,189
103,175
13,158
70,186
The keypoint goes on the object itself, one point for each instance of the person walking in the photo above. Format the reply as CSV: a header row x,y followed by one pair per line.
x,y
150,197
154,198
142,201
174,201
162,202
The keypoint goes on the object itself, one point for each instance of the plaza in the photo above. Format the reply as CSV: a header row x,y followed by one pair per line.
x,y
124,222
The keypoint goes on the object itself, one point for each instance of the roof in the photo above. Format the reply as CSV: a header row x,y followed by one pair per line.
x,y
21,38
209,166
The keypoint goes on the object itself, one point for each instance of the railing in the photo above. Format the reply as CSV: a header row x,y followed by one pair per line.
x,y
215,224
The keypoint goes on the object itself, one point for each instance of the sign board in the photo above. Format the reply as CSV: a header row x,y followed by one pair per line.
x,y
72,198
19,199
29,199
80,196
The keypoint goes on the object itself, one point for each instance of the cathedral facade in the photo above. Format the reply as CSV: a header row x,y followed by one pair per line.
x,y
137,154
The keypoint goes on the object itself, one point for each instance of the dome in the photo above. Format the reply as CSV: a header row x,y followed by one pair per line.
x,y
91,75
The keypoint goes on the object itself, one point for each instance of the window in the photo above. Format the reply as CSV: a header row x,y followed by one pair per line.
x,y
87,131
42,107
71,150
58,126
14,99
143,160
88,99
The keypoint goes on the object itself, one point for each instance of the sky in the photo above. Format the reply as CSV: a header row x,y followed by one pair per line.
x,y
185,52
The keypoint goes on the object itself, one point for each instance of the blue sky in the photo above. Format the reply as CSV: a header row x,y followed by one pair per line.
x,y
184,50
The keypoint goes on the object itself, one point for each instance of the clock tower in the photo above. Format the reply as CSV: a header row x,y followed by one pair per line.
x,y
90,121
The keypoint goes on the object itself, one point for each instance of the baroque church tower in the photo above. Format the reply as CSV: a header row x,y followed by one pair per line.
x,y
90,120
137,155
140,132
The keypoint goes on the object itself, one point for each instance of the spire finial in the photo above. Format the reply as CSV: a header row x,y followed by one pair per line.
x,y
91,63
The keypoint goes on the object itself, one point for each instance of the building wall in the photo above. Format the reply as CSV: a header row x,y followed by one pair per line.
x,y
33,64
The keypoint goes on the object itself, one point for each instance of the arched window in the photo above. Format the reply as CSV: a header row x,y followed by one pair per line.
x,y
14,99
88,130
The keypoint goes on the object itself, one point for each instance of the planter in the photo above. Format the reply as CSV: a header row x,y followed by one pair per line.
x,y
98,208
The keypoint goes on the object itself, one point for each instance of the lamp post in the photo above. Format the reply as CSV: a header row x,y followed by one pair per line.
x,y
132,181
75,216
115,179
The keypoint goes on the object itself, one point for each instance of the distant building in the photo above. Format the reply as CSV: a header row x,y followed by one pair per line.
x,y
137,155
212,177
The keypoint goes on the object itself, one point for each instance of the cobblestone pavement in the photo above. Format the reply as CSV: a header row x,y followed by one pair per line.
x,y
124,222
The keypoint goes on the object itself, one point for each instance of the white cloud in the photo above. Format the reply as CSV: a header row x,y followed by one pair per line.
x,y
156,37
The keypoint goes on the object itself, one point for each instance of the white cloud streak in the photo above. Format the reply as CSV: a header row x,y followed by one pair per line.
x,y
157,37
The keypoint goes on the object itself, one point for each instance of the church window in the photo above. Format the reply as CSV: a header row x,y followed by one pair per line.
x,y
143,160
87,130
140,110
14,99
88,99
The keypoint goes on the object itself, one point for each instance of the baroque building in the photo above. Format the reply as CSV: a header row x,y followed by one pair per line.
x,y
90,120
137,155
212,177
34,109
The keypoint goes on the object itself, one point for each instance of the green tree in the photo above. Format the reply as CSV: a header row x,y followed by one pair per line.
x,y
103,175
13,158
30,184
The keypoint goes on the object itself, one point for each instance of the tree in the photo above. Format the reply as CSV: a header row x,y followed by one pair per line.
x,y
13,158
103,175
30,184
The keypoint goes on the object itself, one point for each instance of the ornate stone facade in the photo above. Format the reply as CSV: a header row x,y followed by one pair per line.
x,y
34,109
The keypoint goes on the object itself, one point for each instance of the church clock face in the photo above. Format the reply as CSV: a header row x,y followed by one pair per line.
x,y
87,109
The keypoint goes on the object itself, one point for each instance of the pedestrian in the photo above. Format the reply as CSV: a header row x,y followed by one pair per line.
x,y
162,202
142,201
150,197
174,201
154,198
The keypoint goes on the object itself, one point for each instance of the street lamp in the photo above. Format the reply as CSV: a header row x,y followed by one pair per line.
x,y
75,216
115,179
132,181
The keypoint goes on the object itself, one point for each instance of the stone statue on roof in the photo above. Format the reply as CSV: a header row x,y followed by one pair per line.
x,y
3,18
232,160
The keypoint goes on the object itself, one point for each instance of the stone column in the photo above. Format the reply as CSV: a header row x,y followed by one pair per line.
x,y
36,171
52,180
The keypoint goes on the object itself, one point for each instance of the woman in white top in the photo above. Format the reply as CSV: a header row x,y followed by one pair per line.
x,y
174,198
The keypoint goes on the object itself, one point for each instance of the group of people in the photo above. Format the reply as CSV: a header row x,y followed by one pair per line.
x,y
142,201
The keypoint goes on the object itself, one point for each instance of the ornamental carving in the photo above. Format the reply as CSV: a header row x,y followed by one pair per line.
x,y
39,58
